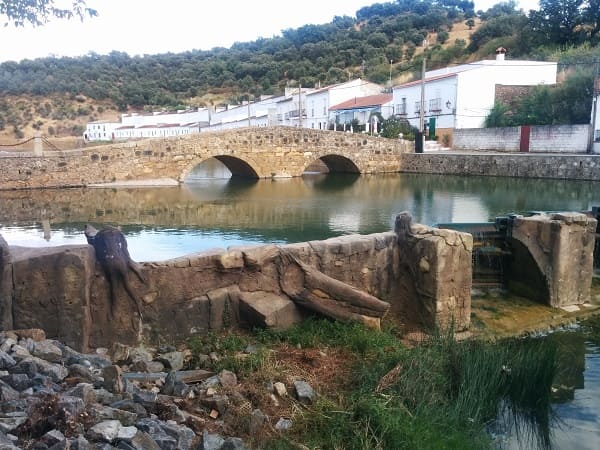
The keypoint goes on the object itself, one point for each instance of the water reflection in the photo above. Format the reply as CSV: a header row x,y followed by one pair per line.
x,y
219,212
572,420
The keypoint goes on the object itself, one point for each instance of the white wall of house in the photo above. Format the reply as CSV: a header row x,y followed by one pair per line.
x,y
467,92
100,130
363,114
319,101
182,116
475,91
440,102
271,111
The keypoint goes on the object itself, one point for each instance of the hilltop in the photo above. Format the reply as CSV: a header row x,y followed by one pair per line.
x,y
58,96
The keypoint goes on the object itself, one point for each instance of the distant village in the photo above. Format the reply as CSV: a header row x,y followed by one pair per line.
x,y
454,97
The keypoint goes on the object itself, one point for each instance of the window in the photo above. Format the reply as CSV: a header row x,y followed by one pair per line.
x,y
401,107
418,107
435,104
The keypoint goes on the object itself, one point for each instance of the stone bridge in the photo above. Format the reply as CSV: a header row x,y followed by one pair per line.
x,y
424,273
249,152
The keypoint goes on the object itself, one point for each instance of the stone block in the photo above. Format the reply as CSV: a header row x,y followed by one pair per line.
x,y
268,310
52,291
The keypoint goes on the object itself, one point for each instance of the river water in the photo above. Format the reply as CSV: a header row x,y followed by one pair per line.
x,y
166,222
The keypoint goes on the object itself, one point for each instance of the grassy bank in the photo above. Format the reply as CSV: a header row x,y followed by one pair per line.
x,y
377,393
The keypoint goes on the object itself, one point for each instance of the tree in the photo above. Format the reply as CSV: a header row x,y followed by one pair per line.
x,y
591,16
470,23
442,37
558,20
38,12
392,127
497,116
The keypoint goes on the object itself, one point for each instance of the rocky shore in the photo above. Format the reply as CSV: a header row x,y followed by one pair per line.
x,y
53,397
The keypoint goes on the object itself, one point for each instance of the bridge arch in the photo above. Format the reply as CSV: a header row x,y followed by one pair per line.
x,y
237,166
339,164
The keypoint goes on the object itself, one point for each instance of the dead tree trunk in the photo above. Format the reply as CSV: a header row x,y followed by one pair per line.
x,y
333,298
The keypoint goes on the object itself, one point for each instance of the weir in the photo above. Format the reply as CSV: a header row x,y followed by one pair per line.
x,y
534,255
490,250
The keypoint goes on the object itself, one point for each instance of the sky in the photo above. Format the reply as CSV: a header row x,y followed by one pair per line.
x,y
139,27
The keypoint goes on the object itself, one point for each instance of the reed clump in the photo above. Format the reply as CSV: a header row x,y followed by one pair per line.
x,y
440,394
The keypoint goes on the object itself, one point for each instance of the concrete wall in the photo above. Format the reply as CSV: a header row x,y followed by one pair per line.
x,y
425,277
559,138
543,139
496,139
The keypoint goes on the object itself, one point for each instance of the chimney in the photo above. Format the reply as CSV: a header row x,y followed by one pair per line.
x,y
500,52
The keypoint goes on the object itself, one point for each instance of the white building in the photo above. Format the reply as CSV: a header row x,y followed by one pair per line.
x,y
298,107
281,110
157,124
319,101
100,130
462,96
364,110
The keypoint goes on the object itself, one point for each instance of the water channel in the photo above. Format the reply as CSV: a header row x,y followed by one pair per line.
x,y
166,222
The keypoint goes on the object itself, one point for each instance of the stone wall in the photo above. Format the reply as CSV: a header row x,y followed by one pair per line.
x,y
542,139
252,152
60,289
572,167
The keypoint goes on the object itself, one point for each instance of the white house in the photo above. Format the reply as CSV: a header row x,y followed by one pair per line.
x,y
462,96
298,107
288,109
364,110
319,101
100,130
157,124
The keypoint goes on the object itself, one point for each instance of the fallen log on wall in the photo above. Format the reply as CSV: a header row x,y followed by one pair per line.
x,y
318,292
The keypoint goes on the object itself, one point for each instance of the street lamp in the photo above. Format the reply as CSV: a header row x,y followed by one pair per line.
x,y
390,83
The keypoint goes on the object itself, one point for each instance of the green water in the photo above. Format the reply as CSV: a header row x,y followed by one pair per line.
x,y
573,423
166,222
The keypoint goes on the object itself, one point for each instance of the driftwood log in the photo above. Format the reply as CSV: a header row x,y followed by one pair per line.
x,y
318,292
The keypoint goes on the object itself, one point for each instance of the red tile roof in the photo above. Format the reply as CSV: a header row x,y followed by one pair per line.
x,y
363,102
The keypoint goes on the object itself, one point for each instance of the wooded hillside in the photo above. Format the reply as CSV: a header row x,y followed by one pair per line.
x,y
59,95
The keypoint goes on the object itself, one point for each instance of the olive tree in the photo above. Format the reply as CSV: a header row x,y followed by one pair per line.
x,y
39,12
